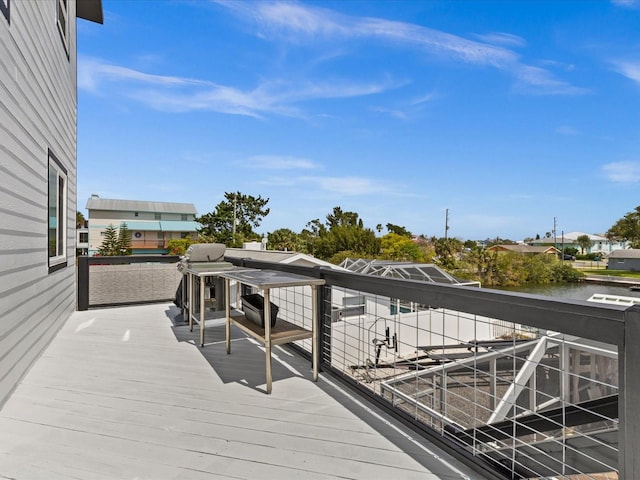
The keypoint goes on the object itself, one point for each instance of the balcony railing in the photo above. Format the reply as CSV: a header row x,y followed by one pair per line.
x,y
521,386
125,280
156,243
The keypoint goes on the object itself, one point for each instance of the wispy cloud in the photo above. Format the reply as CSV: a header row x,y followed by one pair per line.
x,y
299,23
349,186
275,162
335,186
622,172
501,38
179,94
536,80
567,130
630,69
627,3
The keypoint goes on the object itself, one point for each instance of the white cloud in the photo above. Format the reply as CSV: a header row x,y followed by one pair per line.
x,y
299,23
622,172
629,69
501,38
178,94
538,80
274,162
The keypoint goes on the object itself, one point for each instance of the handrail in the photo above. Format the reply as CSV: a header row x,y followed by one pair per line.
x,y
590,320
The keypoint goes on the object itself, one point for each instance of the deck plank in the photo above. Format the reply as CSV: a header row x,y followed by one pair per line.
x,y
127,393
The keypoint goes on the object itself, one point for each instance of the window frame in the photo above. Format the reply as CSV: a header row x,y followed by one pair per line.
x,y
5,7
59,260
62,11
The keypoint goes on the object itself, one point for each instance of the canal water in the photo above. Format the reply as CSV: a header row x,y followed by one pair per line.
x,y
575,291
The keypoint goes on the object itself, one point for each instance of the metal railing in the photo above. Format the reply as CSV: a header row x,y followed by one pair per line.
x,y
520,386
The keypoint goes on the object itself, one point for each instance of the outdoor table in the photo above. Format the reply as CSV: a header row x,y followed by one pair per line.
x,y
283,332
195,274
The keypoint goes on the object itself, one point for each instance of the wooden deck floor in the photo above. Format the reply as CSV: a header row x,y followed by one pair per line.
x,y
126,393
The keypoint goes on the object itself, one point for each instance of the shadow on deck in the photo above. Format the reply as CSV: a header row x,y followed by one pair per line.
x,y
127,393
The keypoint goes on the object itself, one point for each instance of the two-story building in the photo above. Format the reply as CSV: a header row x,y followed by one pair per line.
x,y
38,137
152,224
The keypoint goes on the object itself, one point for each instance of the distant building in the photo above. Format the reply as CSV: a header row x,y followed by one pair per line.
x,y
152,224
599,243
82,240
628,259
525,249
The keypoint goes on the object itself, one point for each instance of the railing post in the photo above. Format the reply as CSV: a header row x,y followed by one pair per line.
x,y
323,299
83,283
629,396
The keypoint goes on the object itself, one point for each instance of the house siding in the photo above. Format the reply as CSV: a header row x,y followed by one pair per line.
x,y
38,113
631,264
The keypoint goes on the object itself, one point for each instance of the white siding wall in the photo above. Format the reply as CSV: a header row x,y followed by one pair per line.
x,y
37,112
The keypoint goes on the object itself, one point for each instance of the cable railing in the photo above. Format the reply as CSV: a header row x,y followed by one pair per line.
x,y
522,386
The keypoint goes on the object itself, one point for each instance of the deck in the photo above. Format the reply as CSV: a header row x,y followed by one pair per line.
x,y
126,393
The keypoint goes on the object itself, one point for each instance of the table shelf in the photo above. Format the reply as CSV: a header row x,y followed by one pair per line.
x,y
283,332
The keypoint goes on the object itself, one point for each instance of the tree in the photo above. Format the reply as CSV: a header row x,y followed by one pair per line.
x,y
584,242
80,220
342,231
178,246
627,228
233,220
124,240
116,242
285,239
447,250
391,228
401,248
109,246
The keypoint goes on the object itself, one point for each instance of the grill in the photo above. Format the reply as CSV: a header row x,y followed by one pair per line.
x,y
203,257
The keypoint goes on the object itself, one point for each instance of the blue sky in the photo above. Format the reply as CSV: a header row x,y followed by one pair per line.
x,y
507,114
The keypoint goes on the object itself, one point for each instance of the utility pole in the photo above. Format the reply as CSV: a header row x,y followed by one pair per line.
x,y
235,215
446,224
555,238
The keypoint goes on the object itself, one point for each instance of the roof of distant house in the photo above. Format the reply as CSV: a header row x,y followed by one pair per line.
x,y
570,237
625,253
278,256
523,249
97,203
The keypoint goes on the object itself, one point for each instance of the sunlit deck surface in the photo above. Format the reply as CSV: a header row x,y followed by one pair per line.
x,y
126,393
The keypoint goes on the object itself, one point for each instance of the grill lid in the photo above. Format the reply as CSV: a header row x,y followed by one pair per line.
x,y
205,252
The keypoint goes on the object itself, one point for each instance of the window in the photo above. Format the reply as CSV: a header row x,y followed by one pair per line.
x,y
57,219
135,214
4,8
184,217
160,236
84,237
62,18
157,216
